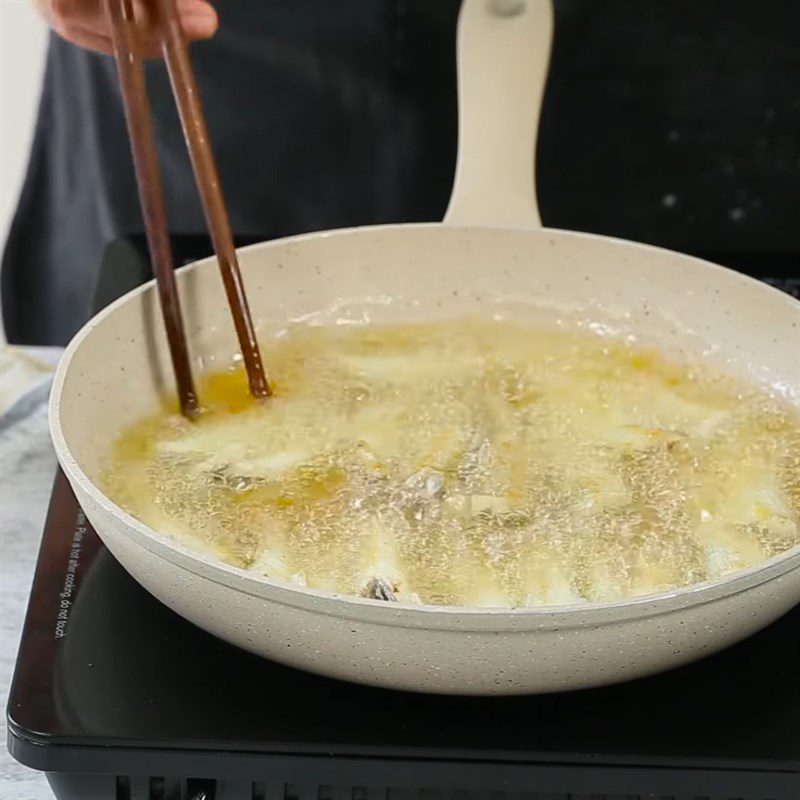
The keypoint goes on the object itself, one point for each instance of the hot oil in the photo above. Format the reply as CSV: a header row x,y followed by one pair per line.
x,y
472,463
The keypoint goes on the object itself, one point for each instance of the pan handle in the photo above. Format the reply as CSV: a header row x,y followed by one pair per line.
x,y
503,57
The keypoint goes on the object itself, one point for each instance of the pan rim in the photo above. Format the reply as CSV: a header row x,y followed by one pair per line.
x,y
404,614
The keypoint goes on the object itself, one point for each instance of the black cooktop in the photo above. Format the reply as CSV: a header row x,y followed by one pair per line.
x,y
116,697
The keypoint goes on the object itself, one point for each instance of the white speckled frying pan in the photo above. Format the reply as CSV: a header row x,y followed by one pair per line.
x,y
490,246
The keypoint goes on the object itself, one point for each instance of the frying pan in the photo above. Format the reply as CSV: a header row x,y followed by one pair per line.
x,y
490,257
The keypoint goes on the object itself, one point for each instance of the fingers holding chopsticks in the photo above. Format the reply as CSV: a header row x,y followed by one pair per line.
x,y
85,23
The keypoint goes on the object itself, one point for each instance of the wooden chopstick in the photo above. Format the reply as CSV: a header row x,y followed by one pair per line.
x,y
137,115
187,98
151,198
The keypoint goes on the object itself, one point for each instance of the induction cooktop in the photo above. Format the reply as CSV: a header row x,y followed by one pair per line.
x,y
117,698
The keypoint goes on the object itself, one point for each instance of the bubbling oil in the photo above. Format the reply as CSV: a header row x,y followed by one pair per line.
x,y
471,463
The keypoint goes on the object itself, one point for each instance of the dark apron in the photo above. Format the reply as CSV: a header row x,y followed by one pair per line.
x,y
671,123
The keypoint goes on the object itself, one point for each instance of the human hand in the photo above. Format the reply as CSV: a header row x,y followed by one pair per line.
x,y
85,23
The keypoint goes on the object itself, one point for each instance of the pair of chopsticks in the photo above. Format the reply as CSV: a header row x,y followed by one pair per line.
x,y
140,132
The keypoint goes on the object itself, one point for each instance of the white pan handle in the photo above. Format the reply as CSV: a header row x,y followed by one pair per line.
x,y
503,56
